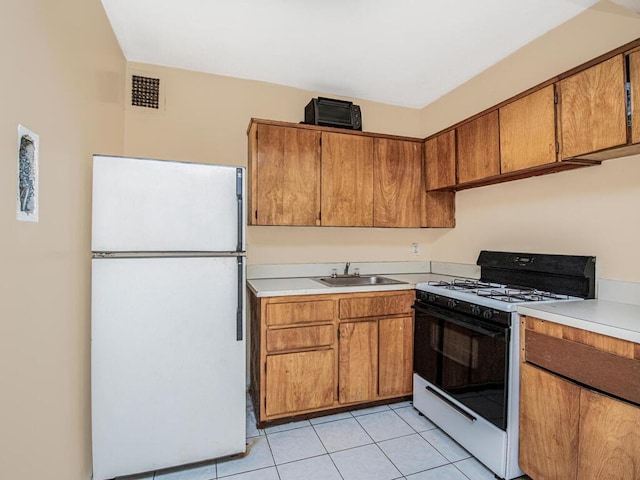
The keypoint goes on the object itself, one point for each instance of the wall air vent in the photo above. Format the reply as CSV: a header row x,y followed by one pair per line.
x,y
145,92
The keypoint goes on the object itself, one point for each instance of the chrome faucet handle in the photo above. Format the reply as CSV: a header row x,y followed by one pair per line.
x,y
346,268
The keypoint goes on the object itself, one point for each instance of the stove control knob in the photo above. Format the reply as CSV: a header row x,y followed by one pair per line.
x,y
431,297
476,310
487,314
451,303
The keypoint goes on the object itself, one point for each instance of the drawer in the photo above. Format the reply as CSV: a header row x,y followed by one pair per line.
x,y
375,306
300,312
585,364
299,337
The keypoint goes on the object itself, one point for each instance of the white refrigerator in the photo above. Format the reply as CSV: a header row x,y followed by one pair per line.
x,y
167,314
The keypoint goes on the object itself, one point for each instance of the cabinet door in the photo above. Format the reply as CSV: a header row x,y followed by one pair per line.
x,y
440,161
395,356
592,109
439,210
528,131
478,148
397,183
287,176
549,414
347,180
609,445
300,381
358,361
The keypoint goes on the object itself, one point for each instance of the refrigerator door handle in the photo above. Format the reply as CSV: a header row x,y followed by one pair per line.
x,y
239,199
240,310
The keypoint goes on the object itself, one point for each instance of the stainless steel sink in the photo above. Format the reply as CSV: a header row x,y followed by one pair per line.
x,y
355,281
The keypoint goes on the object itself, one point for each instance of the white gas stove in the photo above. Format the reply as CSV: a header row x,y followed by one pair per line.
x,y
493,295
466,347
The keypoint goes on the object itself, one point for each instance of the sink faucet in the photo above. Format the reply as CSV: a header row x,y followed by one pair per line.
x,y
346,268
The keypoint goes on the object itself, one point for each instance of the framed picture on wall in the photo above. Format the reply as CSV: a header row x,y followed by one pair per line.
x,y
27,202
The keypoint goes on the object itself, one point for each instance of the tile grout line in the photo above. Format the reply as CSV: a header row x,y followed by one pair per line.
x,y
385,453
326,449
416,432
266,437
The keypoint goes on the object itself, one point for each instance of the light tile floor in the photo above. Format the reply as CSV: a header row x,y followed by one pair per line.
x,y
388,442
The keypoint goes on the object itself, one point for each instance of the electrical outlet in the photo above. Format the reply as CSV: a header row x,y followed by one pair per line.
x,y
415,248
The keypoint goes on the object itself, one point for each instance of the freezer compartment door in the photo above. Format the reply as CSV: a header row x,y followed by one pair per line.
x,y
168,370
158,206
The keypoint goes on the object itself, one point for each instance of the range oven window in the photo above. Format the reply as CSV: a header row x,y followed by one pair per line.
x,y
464,356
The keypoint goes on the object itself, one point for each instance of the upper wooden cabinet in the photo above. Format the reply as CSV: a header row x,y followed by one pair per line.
x,y
397,183
592,109
528,131
310,175
347,180
284,175
478,148
440,161
596,116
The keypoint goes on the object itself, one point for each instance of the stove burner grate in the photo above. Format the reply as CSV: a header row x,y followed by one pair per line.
x,y
521,294
463,284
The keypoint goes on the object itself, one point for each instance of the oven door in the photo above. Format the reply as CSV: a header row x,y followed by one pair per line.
x,y
465,357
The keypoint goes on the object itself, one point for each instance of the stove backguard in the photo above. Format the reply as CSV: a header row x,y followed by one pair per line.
x,y
566,274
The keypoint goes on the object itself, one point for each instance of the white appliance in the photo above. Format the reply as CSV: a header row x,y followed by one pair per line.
x,y
167,314
467,347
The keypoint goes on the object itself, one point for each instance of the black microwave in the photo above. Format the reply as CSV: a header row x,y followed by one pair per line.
x,y
333,113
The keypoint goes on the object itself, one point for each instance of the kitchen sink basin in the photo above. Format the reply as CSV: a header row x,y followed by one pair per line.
x,y
355,281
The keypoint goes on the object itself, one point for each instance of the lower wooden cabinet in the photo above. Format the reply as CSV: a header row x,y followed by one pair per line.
x,y
568,431
609,445
395,356
549,413
358,362
299,381
312,353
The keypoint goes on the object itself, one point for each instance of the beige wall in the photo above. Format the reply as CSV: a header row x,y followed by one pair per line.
x,y
205,120
206,116
61,77
589,211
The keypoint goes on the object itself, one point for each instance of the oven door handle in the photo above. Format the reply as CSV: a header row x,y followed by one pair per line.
x,y
461,411
461,323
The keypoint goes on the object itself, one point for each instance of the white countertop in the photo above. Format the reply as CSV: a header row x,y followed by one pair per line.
x,y
615,319
278,287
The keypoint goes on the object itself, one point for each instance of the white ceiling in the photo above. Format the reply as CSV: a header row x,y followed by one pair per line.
x,y
400,52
